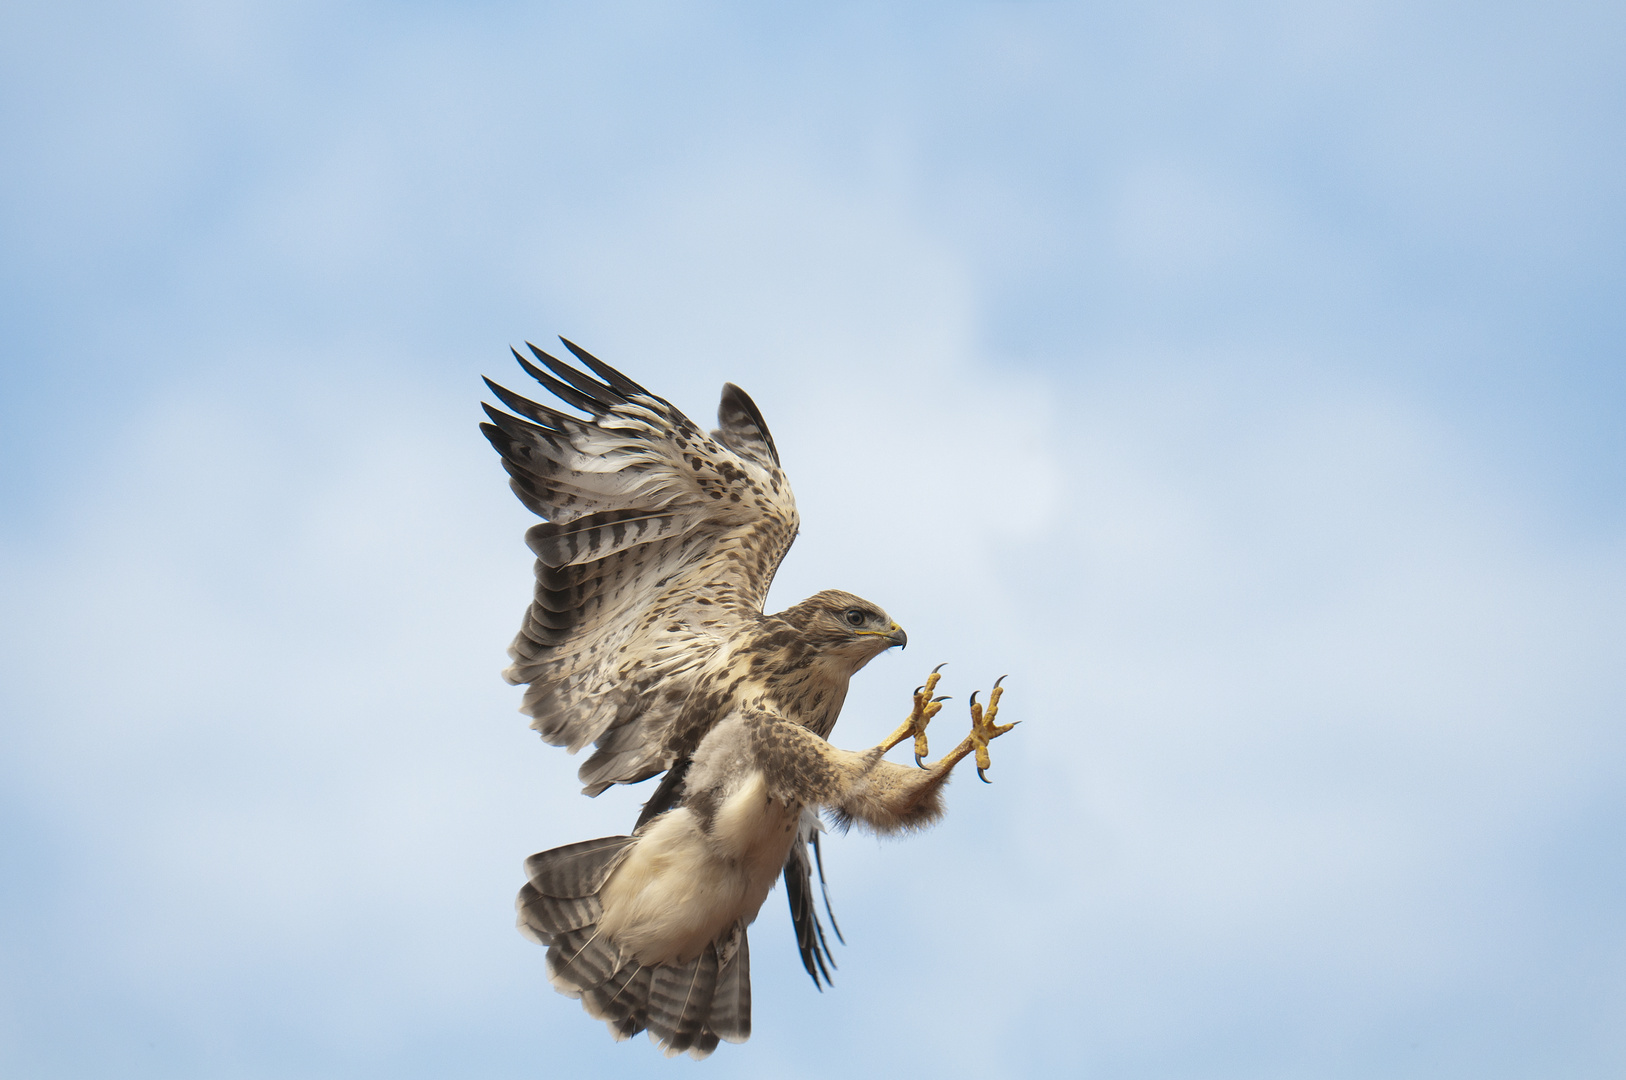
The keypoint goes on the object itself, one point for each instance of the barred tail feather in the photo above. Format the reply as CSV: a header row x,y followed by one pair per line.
x,y
730,1017
680,1002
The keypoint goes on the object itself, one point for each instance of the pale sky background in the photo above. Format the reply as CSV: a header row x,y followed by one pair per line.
x,y
1244,379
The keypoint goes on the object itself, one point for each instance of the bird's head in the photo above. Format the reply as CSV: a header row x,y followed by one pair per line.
x,y
841,625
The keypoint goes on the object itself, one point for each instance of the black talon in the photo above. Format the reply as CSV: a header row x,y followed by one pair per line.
x,y
944,697
939,667
999,680
983,778
920,762
974,694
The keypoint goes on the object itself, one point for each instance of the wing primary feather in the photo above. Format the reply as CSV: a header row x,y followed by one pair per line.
x,y
563,391
804,917
820,951
607,396
525,489
516,428
530,409
529,368
605,371
824,890
735,398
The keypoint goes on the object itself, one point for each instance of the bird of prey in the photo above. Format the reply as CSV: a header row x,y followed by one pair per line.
x,y
646,637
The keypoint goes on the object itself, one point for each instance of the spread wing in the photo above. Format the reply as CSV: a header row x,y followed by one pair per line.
x,y
658,547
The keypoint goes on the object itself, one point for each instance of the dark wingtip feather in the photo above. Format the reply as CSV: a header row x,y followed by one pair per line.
x,y
608,397
734,397
603,370
515,427
811,943
563,391
528,408
824,890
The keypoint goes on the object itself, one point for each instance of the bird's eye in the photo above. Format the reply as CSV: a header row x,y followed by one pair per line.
x,y
855,617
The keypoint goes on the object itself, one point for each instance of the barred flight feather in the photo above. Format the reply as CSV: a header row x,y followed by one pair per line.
x,y
680,1001
660,541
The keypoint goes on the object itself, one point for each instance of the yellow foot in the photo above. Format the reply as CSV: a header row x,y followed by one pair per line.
x,y
983,728
925,708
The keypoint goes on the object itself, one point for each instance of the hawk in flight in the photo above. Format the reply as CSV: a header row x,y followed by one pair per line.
x,y
646,637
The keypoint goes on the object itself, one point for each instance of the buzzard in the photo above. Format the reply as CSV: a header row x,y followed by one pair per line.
x,y
646,637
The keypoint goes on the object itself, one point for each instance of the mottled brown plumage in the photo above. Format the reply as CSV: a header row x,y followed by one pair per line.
x,y
646,637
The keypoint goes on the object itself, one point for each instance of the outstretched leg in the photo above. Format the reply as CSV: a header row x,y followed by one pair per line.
x,y
861,785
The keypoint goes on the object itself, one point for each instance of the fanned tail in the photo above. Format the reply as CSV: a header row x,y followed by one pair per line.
x,y
686,1007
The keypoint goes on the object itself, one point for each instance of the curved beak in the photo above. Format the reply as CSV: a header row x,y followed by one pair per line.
x,y
897,636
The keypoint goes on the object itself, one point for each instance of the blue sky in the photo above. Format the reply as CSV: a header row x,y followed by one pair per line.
x,y
1244,380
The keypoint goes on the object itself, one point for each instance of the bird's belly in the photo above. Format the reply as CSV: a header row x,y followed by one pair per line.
x,y
755,831
683,886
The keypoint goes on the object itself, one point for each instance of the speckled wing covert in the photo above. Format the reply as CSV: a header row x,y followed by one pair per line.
x,y
659,544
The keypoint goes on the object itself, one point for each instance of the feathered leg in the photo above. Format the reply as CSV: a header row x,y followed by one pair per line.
x,y
863,786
